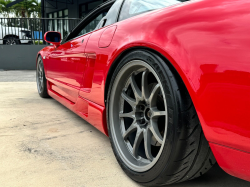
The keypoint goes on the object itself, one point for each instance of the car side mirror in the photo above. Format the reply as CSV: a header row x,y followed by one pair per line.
x,y
53,38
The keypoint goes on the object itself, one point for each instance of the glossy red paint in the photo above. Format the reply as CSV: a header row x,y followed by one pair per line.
x,y
233,161
107,36
56,44
67,65
208,44
86,109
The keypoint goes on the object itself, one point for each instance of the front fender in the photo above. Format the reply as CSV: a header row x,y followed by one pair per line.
x,y
44,53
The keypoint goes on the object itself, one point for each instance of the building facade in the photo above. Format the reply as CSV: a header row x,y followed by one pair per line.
x,y
68,8
61,13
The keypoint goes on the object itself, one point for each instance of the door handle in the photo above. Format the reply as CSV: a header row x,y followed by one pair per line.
x,y
82,40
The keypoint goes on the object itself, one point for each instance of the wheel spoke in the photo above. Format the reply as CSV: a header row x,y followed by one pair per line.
x,y
144,83
157,113
130,100
138,139
153,95
131,129
136,90
127,115
154,129
147,143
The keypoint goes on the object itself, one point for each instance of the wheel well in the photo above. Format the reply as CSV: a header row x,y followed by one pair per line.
x,y
124,53
11,35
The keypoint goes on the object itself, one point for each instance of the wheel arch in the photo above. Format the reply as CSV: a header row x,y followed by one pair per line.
x,y
151,50
11,35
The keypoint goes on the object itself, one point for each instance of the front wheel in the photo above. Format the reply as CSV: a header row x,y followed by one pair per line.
x,y
41,79
153,126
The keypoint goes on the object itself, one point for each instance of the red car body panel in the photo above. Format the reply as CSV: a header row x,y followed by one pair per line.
x,y
234,162
207,42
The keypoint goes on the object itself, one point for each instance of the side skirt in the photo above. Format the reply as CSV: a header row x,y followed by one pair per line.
x,y
89,111
232,161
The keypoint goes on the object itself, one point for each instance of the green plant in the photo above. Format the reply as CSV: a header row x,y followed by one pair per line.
x,y
24,9
27,8
4,10
40,42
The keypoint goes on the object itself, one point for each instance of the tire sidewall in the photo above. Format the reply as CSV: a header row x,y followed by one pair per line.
x,y
43,92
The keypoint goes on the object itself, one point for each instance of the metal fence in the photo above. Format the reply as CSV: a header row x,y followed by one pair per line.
x,y
31,30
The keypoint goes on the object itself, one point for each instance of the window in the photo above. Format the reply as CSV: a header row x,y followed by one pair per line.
x,y
92,25
59,14
60,25
66,13
113,12
87,7
135,7
83,11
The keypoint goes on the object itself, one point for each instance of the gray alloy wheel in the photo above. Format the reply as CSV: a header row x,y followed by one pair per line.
x,y
138,115
40,85
40,79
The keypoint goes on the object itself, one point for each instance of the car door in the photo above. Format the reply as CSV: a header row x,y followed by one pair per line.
x,y
97,51
65,67
67,62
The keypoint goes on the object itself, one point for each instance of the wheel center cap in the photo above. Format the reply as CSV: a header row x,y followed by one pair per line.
x,y
149,114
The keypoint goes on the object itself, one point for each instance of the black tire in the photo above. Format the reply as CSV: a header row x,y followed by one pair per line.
x,y
41,79
186,153
11,40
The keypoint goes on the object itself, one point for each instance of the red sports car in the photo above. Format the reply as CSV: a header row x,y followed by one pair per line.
x,y
168,81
